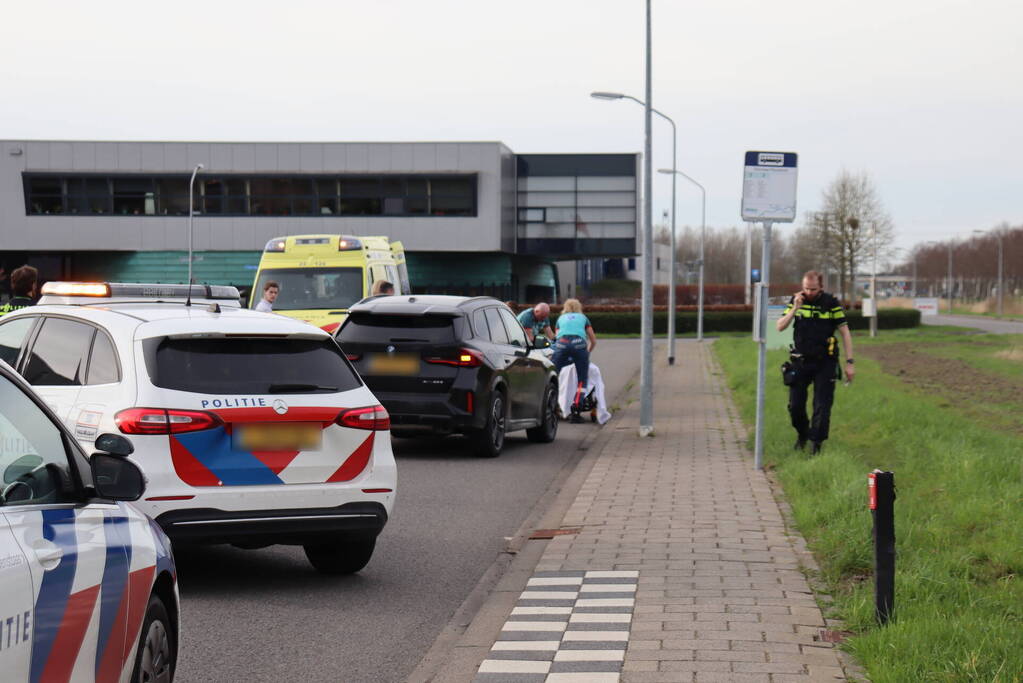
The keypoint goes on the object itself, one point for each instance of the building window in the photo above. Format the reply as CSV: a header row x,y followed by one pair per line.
x,y
632,264
238,195
532,215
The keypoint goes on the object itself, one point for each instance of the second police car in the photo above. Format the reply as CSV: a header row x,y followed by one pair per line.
x,y
252,428
88,589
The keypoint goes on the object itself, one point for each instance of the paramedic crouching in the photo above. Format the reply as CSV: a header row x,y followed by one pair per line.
x,y
818,316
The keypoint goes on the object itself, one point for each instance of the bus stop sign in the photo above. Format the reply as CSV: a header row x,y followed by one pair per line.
x,y
769,187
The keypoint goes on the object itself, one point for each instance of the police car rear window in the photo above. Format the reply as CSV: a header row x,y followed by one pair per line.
x,y
368,328
249,365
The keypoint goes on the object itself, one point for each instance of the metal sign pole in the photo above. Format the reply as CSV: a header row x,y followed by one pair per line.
x,y
764,286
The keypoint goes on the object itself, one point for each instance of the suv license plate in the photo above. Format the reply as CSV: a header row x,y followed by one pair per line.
x,y
283,436
393,364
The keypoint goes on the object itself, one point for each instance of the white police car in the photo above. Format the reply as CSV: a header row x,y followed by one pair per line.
x,y
252,428
87,584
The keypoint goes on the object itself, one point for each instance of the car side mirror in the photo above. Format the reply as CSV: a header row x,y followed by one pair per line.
x,y
116,478
115,444
541,342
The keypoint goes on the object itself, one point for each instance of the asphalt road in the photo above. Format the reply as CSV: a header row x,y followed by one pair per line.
x,y
266,615
976,322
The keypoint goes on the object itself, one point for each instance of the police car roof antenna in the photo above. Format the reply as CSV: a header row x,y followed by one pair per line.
x,y
191,214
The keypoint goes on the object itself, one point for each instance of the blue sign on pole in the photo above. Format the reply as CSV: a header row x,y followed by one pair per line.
x,y
754,275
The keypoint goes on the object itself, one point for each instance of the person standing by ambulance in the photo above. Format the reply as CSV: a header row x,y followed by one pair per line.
x,y
818,316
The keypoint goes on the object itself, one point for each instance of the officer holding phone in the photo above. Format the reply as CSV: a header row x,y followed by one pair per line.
x,y
818,316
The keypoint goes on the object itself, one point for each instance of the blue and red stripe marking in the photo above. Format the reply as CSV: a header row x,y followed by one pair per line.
x,y
59,616
114,584
208,458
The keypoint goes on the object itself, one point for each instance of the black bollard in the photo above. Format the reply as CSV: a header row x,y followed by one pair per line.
x,y
882,507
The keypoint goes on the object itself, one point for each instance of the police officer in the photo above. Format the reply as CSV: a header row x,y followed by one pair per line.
x,y
23,287
814,358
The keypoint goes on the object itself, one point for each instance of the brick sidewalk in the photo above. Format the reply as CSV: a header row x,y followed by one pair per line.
x,y
682,569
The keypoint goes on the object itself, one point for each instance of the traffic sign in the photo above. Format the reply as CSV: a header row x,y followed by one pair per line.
x,y
769,187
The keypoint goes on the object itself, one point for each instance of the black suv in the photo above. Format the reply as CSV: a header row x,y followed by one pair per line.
x,y
446,364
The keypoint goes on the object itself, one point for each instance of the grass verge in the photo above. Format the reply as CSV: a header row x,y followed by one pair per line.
x,y
959,517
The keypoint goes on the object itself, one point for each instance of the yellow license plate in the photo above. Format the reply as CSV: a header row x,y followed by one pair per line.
x,y
394,364
281,436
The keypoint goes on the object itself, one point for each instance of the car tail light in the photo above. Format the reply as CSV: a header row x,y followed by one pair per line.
x,y
468,401
160,421
370,417
353,356
464,358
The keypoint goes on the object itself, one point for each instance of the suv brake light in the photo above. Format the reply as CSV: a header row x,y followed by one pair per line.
x,y
465,358
160,421
370,417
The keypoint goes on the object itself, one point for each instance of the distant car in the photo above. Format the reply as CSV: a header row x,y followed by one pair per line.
x,y
449,364
87,582
252,427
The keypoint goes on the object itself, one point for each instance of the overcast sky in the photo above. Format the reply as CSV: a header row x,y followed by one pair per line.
x,y
925,95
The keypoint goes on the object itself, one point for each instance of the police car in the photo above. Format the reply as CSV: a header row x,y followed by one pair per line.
x,y
87,583
252,428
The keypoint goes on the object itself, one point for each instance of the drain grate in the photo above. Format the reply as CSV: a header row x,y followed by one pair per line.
x,y
543,534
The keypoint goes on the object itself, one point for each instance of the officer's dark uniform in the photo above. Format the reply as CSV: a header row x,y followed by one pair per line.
x,y
815,361
16,303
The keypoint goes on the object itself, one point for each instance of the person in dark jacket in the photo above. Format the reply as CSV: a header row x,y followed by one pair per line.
x,y
23,288
818,316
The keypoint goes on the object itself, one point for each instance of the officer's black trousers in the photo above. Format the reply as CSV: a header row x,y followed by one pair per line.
x,y
821,374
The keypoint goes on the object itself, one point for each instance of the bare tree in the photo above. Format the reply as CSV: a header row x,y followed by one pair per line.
x,y
852,217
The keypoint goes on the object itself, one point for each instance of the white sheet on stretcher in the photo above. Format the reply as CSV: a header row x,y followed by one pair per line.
x,y
566,391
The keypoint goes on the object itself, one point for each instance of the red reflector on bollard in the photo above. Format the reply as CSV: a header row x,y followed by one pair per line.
x,y
872,490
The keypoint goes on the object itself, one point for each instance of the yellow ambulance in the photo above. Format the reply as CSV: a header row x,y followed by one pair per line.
x,y
320,276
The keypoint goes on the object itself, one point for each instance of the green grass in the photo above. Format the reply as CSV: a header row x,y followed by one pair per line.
x,y
680,335
959,516
959,310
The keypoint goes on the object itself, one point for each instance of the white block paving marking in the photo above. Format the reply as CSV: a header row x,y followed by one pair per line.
x,y
604,602
513,666
527,649
534,626
555,581
608,588
526,645
548,595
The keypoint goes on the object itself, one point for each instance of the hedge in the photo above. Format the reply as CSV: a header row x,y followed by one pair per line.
x,y
733,321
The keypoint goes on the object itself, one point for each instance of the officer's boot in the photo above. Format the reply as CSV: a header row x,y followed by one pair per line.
x,y
816,450
800,443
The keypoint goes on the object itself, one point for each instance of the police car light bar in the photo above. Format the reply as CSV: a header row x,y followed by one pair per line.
x,y
76,289
348,244
137,291
276,244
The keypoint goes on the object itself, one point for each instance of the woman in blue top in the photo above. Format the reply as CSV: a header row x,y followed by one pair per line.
x,y
574,342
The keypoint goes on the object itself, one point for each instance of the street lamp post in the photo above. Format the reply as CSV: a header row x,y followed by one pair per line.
x,y
703,232
998,236
601,95
873,283
950,276
191,213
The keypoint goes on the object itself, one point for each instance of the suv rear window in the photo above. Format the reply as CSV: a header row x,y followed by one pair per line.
x,y
249,365
367,328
